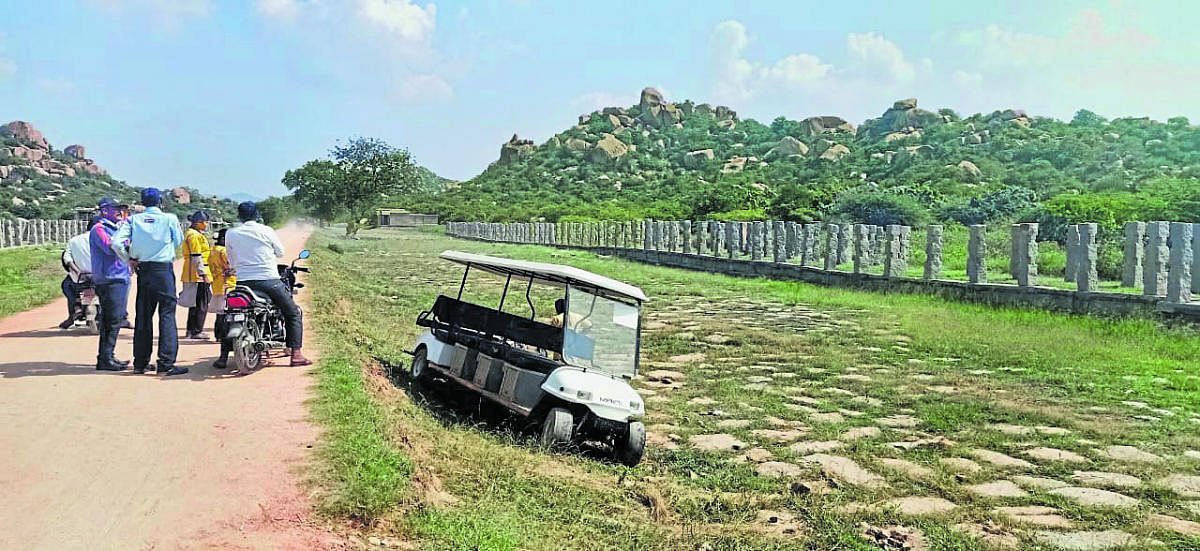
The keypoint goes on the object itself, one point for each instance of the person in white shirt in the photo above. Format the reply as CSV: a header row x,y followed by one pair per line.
x,y
254,250
77,261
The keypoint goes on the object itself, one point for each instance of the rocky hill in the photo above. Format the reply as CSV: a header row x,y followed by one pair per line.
x,y
687,160
40,181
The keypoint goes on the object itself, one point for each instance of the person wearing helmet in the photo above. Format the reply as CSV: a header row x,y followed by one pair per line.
x,y
110,274
197,282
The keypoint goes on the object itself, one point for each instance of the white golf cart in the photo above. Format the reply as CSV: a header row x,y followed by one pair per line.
x,y
570,373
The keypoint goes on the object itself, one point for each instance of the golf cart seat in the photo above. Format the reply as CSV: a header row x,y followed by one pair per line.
x,y
475,325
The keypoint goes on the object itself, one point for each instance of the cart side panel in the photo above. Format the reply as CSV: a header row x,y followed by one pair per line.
x,y
522,386
459,358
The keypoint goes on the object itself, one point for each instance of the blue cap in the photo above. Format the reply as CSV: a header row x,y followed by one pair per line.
x,y
151,197
198,216
109,202
247,211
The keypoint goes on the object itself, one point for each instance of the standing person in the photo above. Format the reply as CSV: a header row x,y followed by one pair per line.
x,y
110,274
197,291
77,260
223,281
253,250
149,240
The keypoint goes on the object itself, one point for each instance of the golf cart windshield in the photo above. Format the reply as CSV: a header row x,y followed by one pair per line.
x,y
600,333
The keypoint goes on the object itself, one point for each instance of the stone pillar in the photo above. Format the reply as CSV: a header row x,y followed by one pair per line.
x,y
779,239
1179,278
1154,267
896,250
808,253
1025,254
732,229
685,233
755,241
977,254
844,238
657,242
933,251
714,239
862,248
877,239
1072,269
791,241
832,233
744,238
1135,252
1087,280
647,233
1195,258
4,233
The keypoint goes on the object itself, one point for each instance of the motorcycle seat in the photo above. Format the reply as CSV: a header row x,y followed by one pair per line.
x,y
254,296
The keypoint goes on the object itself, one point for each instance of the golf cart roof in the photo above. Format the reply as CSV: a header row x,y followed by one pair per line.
x,y
549,273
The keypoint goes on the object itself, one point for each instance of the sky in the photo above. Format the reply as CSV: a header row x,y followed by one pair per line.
x,y
225,96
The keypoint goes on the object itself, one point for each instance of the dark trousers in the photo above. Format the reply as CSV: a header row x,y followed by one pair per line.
x,y
71,290
277,291
219,330
155,291
198,313
113,296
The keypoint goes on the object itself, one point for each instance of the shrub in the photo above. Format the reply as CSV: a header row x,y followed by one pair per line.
x,y
879,209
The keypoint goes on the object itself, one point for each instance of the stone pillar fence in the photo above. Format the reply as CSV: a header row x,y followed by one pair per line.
x,y
1159,258
20,232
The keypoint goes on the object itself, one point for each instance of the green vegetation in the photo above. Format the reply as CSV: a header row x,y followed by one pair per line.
x,y
777,355
1018,168
29,277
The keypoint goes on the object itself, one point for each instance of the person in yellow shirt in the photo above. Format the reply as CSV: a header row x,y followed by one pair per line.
x,y
197,288
223,281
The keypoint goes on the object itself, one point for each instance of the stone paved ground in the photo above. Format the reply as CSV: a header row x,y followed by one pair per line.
x,y
791,409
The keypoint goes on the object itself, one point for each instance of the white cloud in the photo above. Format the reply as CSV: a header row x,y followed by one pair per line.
x,y
797,68
283,10
424,88
879,56
733,73
407,21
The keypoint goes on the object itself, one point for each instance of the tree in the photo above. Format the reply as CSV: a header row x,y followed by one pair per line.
x,y
357,178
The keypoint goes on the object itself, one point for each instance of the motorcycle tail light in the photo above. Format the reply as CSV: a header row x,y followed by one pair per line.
x,y
237,302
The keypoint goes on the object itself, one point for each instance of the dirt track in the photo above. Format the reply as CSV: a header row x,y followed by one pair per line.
x,y
95,460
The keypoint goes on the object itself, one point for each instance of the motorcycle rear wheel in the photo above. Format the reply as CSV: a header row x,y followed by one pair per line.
x,y
246,357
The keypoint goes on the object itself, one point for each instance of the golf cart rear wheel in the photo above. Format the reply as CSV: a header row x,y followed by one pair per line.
x,y
630,449
420,363
558,428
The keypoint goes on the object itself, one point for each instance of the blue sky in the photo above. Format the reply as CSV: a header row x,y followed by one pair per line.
x,y
224,95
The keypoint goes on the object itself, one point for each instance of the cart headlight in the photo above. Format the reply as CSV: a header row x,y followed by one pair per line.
x,y
583,395
635,405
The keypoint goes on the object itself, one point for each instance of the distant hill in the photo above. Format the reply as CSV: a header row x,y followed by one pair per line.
x,y
687,160
40,181
243,197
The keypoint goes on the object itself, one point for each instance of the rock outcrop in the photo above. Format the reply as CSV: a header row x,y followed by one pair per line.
x,y
904,116
515,149
181,196
698,159
608,150
75,152
969,170
825,124
26,134
34,152
835,152
787,147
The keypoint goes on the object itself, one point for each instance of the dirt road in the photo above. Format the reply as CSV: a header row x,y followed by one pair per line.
x,y
96,460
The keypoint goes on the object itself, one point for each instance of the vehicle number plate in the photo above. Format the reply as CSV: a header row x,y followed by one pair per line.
x,y
238,317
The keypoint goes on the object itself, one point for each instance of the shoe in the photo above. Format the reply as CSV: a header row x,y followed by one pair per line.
x,y
199,336
298,359
139,370
67,323
109,367
126,325
122,363
220,364
177,371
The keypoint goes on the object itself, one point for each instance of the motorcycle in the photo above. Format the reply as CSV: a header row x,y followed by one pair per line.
x,y
253,324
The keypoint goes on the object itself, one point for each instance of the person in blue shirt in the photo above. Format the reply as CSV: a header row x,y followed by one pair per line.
x,y
110,275
149,242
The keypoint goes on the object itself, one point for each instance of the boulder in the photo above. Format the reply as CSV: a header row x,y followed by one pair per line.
x,y
614,120
698,159
576,144
835,153
5,171
910,103
26,134
515,149
813,126
613,111
787,147
970,170
651,98
18,202
29,154
75,152
703,109
608,150
902,135
736,164
181,196
723,113
727,124
93,169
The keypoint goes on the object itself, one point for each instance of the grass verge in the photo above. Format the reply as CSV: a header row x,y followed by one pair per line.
x,y
29,277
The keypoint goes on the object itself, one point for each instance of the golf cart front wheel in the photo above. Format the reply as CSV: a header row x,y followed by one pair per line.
x,y
629,450
558,428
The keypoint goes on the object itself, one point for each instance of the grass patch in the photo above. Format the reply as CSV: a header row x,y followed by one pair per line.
x,y
29,277
827,359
